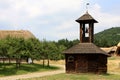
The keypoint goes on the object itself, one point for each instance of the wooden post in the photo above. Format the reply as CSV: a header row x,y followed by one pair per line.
x,y
91,31
81,32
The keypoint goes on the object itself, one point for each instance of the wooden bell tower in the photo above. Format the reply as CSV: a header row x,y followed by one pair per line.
x,y
86,57
86,28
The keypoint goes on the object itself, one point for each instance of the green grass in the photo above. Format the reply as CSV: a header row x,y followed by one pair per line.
x,y
79,77
10,69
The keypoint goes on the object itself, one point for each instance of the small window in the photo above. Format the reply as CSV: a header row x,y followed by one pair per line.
x,y
70,59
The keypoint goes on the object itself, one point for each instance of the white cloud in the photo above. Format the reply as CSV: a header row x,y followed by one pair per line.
x,y
67,30
106,20
33,8
54,6
65,25
52,18
20,11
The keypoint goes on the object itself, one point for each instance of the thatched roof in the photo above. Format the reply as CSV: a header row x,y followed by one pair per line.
x,y
16,33
110,50
85,48
118,49
86,18
107,50
118,45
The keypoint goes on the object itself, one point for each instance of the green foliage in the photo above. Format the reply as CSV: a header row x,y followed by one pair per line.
x,y
67,43
22,49
107,38
3,48
18,48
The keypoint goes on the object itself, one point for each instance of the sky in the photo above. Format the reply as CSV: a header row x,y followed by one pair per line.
x,y
55,19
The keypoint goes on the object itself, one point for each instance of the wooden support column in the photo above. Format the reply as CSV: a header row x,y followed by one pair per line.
x,y
81,32
91,32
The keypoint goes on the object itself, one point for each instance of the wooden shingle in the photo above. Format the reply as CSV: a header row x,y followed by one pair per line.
x,y
86,18
85,48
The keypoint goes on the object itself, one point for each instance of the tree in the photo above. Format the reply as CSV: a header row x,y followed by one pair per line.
x,y
16,49
51,49
34,48
19,50
3,50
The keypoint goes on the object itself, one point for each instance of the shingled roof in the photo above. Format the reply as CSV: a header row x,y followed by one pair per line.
x,y
86,18
85,48
16,33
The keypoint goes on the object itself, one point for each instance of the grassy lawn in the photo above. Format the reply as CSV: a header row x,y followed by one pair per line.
x,y
113,73
114,64
11,69
79,77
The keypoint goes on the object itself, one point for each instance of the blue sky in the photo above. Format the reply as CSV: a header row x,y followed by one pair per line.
x,y
55,19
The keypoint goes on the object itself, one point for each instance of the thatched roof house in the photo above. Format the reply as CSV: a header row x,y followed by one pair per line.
x,y
16,33
118,49
118,45
110,50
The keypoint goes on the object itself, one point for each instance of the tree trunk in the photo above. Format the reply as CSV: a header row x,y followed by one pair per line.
x,y
9,60
43,62
32,61
3,62
18,61
48,62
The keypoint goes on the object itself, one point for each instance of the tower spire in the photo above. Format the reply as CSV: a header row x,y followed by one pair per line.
x,y
86,27
87,4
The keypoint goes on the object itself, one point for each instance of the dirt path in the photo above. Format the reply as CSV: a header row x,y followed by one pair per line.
x,y
36,74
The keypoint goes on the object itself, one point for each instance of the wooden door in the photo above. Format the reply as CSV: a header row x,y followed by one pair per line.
x,y
92,64
70,64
